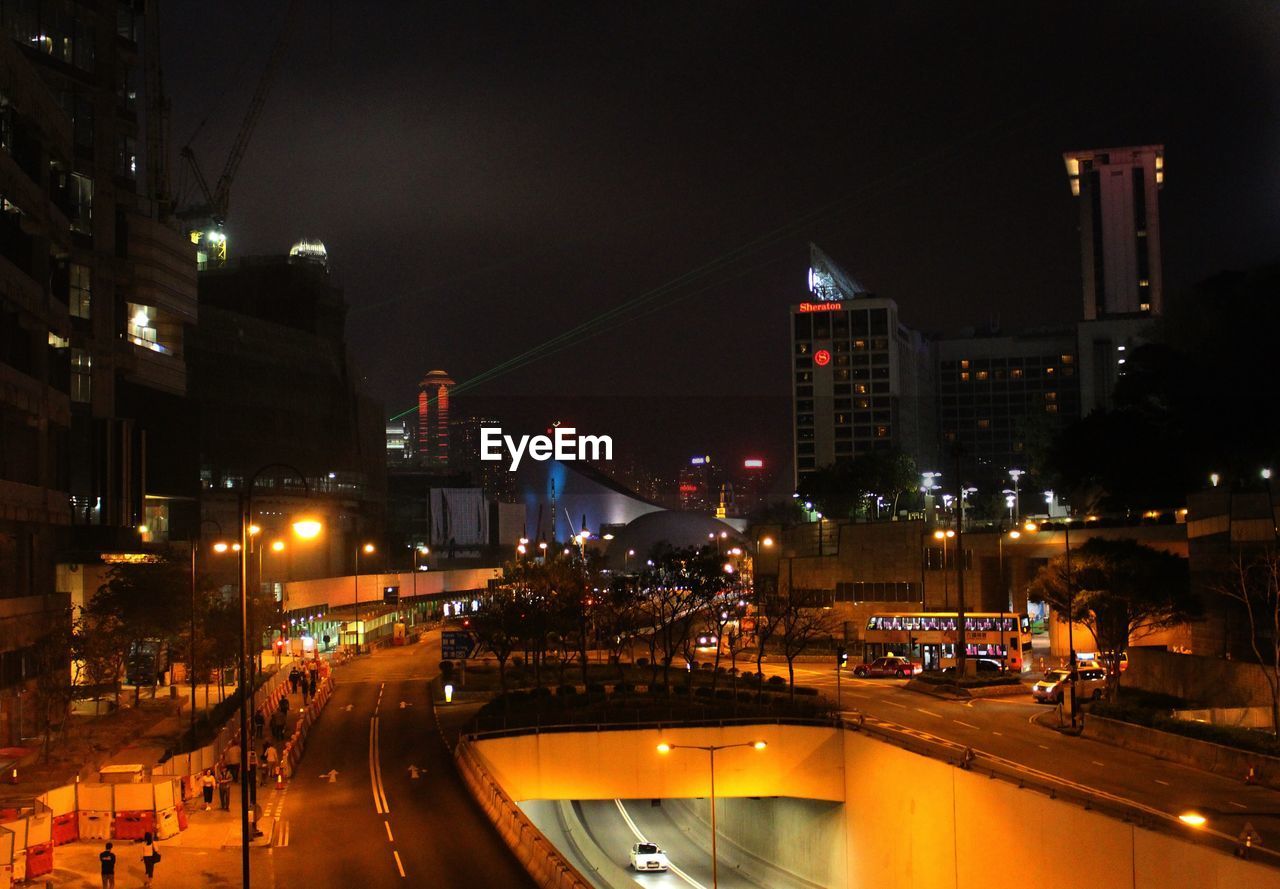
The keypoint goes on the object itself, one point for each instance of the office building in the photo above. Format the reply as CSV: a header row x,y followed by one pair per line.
x,y
862,381
433,419
1122,276
998,394
489,475
274,384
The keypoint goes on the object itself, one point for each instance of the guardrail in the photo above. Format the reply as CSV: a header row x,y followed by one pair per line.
x,y
653,724
1053,786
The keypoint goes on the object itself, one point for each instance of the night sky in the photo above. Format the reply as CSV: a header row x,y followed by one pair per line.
x,y
486,176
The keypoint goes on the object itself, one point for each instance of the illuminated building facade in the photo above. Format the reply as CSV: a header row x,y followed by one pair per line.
x,y
861,380
433,419
697,485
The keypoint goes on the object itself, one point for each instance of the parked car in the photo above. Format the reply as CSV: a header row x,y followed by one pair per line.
x,y
648,857
1091,682
898,667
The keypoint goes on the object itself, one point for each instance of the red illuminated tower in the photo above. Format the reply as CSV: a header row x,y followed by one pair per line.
x,y
433,418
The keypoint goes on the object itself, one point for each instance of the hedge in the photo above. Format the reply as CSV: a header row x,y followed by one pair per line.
x,y
1228,736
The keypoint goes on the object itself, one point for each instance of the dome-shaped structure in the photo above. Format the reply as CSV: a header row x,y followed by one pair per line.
x,y
679,529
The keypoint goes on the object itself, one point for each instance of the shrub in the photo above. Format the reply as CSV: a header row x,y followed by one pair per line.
x,y
705,666
777,680
642,662
1228,736
517,662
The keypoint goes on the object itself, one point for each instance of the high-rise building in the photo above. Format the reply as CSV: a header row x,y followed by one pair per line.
x,y
862,381
399,443
97,286
1119,191
490,475
999,394
433,419
699,485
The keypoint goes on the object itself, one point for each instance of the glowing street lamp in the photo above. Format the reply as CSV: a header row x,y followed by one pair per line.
x,y
367,549
664,748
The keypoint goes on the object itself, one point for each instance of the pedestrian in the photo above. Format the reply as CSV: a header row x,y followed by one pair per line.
x,y
259,723
306,690
277,725
150,855
294,676
312,683
207,785
271,759
108,859
232,756
224,788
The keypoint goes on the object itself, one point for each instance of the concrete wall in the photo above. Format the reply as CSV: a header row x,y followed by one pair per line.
x,y
1216,758
909,821
800,761
1209,680
803,837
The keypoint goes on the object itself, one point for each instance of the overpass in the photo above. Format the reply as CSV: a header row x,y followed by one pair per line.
x,y
829,805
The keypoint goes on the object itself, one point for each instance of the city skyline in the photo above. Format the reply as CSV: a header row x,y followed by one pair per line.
x,y
919,186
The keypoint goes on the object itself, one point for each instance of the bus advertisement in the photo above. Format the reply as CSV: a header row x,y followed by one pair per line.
x,y
930,638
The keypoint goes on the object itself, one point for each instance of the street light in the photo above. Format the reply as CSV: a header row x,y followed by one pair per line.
x,y
664,748
367,549
944,536
1016,474
305,528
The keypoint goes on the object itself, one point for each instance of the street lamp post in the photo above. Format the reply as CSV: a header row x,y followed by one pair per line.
x,y
191,662
665,748
1016,475
368,549
306,528
944,536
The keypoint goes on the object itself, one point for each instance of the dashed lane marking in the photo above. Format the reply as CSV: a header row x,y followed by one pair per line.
x,y
928,712
399,864
387,825
965,724
895,704
1238,805
1096,763
1042,746
997,734
1158,781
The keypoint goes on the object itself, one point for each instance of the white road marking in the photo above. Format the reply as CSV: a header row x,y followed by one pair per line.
x,y
896,704
928,712
1239,806
375,770
997,734
1158,781
1042,747
639,836
387,825
965,724
1096,763
399,865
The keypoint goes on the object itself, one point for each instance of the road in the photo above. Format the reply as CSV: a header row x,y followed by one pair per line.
x,y
376,825
1008,728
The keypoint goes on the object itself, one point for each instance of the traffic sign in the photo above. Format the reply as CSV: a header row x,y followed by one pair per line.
x,y
456,645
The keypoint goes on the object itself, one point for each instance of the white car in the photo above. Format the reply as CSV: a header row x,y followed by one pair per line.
x,y
648,857
1091,684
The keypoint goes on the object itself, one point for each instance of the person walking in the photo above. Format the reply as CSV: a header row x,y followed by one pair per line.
x,y
311,683
306,690
207,785
259,723
271,762
149,857
224,788
294,677
251,776
232,756
108,859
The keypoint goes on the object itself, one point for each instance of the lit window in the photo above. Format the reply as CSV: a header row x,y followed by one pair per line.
x,y
1050,408
80,194
142,327
882,432
1015,373
1067,359
57,342
1051,396
1049,371
984,424
859,345
964,363
1143,282
964,376
81,291
982,375
1144,307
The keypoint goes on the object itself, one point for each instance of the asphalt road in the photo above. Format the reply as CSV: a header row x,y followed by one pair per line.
x,y
399,831
1009,728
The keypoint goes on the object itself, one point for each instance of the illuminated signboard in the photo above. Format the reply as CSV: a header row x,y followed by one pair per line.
x,y
686,488
820,307
700,461
822,358
753,464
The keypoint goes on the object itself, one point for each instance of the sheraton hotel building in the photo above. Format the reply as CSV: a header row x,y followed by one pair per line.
x,y
863,381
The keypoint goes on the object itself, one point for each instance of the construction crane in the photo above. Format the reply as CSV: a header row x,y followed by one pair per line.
x,y
205,220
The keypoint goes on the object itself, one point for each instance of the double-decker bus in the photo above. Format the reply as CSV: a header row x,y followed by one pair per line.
x,y
929,638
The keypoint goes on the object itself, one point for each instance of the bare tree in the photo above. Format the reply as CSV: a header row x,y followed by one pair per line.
x,y
1255,584
768,608
497,628
801,623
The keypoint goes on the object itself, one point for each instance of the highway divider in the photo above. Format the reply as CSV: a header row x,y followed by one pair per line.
x,y
548,868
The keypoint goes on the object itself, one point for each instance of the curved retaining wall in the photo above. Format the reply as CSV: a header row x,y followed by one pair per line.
x,y
540,858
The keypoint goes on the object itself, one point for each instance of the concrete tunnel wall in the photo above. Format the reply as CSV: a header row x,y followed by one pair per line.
x,y
908,820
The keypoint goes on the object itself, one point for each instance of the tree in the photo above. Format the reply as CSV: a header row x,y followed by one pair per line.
x,y
800,623
51,657
148,600
852,488
98,645
1255,584
497,627
1121,591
